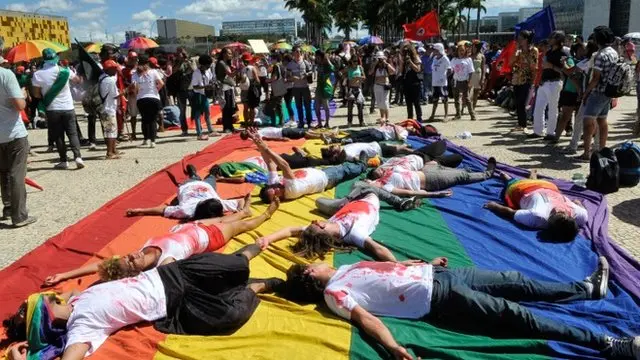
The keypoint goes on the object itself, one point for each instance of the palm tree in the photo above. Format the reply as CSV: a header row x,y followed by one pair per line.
x,y
479,8
346,15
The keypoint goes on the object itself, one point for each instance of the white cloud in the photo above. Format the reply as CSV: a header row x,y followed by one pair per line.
x,y
43,6
212,7
145,15
96,2
95,13
155,4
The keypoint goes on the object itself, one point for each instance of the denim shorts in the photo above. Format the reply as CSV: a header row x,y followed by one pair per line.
x,y
597,105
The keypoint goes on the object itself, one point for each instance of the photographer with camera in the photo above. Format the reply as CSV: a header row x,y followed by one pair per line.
x,y
381,70
411,68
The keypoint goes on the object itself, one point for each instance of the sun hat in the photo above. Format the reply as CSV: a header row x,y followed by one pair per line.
x,y
379,55
439,48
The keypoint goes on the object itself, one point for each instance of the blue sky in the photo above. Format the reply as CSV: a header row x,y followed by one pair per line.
x,y
107,20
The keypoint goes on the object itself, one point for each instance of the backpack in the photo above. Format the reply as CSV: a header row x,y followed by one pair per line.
x,y
604,172
93,102
619,80
628,155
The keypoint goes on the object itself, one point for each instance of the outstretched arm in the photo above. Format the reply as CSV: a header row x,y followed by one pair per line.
x,y
500,210
76,273
270,156
250,251
379,331
75,352
154,211
379,252
293,231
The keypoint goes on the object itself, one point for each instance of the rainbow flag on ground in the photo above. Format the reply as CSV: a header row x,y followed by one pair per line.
x,y
456,227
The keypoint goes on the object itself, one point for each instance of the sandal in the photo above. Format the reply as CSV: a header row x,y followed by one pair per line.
x,y
203,137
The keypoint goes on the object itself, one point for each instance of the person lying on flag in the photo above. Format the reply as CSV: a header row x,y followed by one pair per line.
x,y
428,181
352,151
282,134
207,294
351,226
197,199
301,182
539,204
414,290
182,241
384,132
431,154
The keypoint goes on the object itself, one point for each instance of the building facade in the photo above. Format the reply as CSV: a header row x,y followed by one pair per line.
x,y
525,13
132,34
582,16
507,21
17,26
284,27
182,29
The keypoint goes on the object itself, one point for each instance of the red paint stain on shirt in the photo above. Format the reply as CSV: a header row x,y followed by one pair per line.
x,y
381,267
401,297
337,295
354,207
300,174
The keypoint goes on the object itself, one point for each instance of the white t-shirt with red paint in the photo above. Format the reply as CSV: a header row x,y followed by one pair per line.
x,y
381,288
403,179
353,150
191,194
183,241
358,219
406,163
306,181
271,132
393,132
258,161
536,207
103,309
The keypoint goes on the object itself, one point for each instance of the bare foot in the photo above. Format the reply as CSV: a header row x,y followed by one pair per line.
x,y
246,207
113,157
533,174
275,204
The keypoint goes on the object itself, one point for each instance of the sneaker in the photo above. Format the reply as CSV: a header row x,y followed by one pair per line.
x,y
568,150
30,220
152,145
184,133
457,117
410,203
325,139
597,282
79,163
144,143
551,138
533,136
92,146
61,165
50,149
191,171
623,348
491,165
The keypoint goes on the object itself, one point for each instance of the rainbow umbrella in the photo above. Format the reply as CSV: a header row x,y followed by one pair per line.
x,y
370,39
140,43
32,49
308,48
282,46
94,48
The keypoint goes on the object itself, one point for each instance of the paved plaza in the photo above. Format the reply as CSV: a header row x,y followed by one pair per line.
x,y
71,195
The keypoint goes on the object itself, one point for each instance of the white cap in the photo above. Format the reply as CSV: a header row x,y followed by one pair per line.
x,y
421,49
439,48
379,55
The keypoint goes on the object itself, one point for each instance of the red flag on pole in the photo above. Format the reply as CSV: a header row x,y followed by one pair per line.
x,y
424,28
505,56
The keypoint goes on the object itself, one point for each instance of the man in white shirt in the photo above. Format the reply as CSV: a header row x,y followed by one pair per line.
x,y
14,149
440,71
295,184
412,290
297,72
51,85
108,91
202,79
218,299
539,204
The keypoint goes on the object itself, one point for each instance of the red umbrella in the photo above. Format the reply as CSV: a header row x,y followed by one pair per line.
x,y
140,43
238,46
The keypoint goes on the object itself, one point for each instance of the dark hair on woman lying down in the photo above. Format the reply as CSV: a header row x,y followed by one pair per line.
x,y
16,325
264,196
301,287
315,243
207,209
561,227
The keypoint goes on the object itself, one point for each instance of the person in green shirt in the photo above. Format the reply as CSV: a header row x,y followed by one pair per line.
x,y
572,89
324,90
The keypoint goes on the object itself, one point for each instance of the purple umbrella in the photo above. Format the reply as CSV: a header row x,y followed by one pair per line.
x,y
370,39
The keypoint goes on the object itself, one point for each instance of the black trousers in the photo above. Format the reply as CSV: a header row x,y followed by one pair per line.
x,y
298,161
288,97
366,135
521,93
60,122
149,109
13,169
412,95
183,97
228,110
91,128
207,294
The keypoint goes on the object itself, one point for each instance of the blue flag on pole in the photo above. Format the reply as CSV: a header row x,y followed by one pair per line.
x,y
542,23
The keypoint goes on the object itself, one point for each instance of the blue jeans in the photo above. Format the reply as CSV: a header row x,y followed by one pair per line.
x,y
200,105
490,298
347,171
